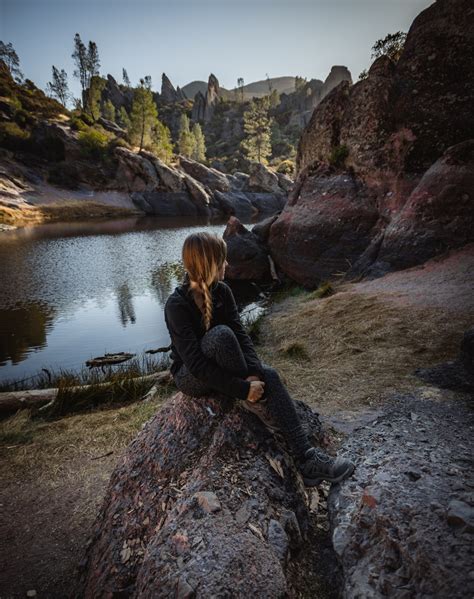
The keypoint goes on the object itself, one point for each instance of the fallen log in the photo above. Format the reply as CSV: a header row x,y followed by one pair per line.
x,y
11,401
109,359
205,502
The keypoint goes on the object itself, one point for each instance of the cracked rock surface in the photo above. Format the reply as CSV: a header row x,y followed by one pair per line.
x,y
403,525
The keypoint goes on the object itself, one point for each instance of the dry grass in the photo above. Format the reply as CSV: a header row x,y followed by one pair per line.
x,y
358,347
31,448
67,211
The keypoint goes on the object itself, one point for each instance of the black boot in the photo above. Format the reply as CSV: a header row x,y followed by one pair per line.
x,y
316,466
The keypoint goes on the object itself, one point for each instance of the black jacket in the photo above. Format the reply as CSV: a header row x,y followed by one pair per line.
x,y
186,328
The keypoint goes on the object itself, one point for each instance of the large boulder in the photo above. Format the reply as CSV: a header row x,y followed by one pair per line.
x,y
246,254
209,177
388,132
324,228
248,203
262,179
170,178
135,172
438,215
204,503
168,203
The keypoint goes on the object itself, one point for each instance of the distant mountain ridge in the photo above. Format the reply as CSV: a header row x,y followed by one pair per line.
x,y
284,85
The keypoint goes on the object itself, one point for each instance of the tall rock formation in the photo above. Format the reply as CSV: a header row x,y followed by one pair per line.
x,y
198,107
118,95
403,107
211,97
366,149
203,109
338,73
168,92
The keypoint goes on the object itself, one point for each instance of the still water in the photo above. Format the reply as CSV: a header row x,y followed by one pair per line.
x,y
73,291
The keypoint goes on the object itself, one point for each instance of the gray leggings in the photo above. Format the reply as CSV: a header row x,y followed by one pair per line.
x,y
221,345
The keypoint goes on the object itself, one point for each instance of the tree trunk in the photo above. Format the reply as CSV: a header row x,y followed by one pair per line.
x,y
11,401
205,502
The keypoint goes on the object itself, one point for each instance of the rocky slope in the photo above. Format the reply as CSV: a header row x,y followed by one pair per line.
x,y
385,170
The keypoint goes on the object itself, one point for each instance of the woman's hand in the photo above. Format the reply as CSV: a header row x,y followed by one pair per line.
x,y
256,391
252,377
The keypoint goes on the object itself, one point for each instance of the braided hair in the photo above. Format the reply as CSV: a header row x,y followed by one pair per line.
x,y
203,256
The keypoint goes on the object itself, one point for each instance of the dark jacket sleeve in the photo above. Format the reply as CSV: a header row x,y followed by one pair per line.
x,y
254,365
187,344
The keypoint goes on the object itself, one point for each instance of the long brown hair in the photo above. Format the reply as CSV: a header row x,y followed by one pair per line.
x,y
203,256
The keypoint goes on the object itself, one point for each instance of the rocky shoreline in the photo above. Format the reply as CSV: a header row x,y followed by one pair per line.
x,y
139,182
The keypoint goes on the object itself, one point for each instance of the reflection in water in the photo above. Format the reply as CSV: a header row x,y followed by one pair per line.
x,y
23,328
165,278
125,303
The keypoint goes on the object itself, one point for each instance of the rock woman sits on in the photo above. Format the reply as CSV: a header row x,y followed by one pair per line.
x,y
211,351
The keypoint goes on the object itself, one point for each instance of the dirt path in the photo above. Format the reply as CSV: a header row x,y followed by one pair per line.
x,y
340,354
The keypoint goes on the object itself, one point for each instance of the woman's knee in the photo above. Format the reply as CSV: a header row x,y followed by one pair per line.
x,y
270,373
217,336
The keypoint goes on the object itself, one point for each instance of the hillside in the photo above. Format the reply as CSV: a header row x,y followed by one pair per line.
x,y
283,85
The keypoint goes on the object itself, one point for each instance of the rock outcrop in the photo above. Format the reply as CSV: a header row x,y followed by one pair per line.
x,y
192,189
337,74
392,134
438,215
119,96
204,502
199,104
203,108
324,227
168,92
247,256
403,525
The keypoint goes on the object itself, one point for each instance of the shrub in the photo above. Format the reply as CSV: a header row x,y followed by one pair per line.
x,y
287,167
324,290
339,155
77,124
13,137
93,143
296,351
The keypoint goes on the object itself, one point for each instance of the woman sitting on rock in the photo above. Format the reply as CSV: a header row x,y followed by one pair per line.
x,y
211,351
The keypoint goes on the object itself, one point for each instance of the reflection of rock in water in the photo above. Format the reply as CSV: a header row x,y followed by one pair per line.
x,y
125,303
165,278
22,329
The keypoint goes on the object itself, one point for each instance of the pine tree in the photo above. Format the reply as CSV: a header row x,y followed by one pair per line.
x,y
257,127
123,119
240,84
80,58
87,63
186,140
144,115
58,87
162,144
93,62
125,77
93,96
10,58
108,111
199,152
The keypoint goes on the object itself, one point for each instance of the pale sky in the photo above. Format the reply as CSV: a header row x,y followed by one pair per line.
x,y
190,39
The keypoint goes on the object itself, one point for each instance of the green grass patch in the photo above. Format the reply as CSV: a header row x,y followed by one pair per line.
x,y
295,351
324,290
